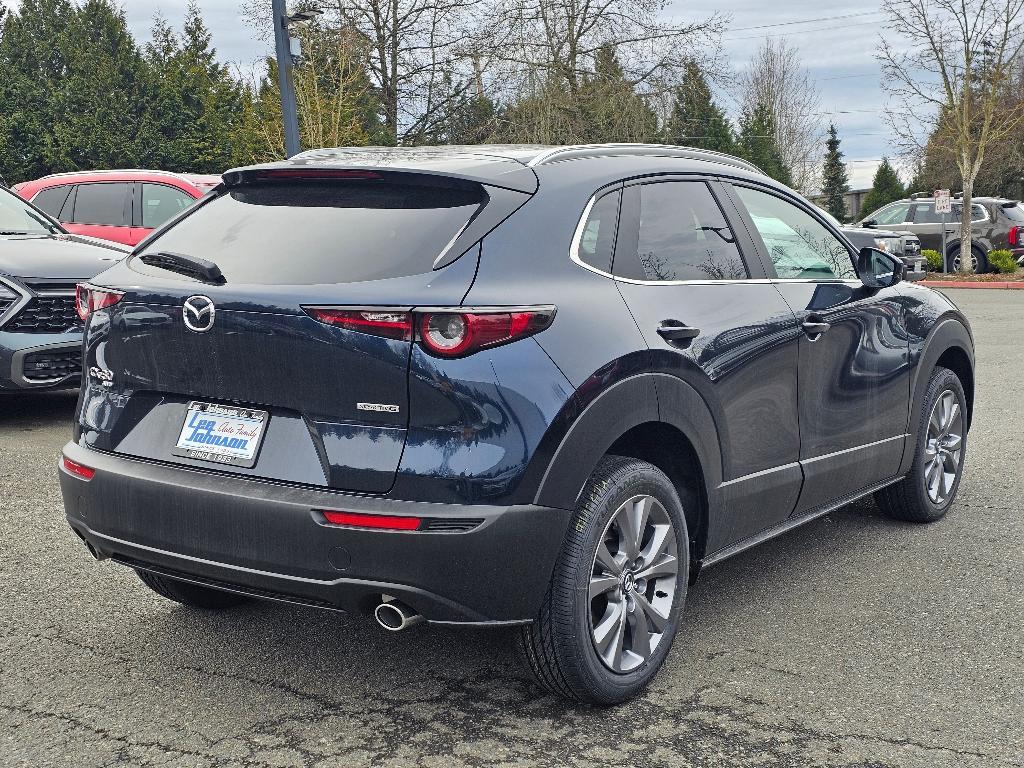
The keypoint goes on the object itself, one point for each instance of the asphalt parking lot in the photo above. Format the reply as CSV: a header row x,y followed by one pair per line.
x,y
853,641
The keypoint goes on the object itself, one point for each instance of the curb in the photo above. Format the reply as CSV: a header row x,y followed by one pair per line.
x,y
1005,285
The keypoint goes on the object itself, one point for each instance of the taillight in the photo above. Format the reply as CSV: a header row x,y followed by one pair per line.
x,y
379,522
457,334
89,298
454,332
78,470
1014,236
391,324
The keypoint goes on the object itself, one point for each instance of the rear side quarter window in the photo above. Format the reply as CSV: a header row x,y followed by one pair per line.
x,y
52,199
595,239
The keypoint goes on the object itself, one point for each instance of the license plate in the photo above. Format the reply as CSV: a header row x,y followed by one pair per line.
x,y
221,433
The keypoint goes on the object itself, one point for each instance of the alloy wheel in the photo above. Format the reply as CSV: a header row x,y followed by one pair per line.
x,y
633,583
974,262
943,447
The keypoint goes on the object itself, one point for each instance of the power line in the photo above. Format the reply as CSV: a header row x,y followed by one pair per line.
x,y
800,31
805,21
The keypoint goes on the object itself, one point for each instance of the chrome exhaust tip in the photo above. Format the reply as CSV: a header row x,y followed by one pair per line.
x,y
394,615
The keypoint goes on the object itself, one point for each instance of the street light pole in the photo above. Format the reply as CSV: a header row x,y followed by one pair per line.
x,y
289,110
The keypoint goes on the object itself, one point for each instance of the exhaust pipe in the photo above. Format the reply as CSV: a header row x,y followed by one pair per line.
x,y
394,615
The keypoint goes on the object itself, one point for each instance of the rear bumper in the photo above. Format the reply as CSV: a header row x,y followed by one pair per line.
x,y
266,540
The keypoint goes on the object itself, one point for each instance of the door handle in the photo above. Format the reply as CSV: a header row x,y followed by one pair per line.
x,y
673,330
814,329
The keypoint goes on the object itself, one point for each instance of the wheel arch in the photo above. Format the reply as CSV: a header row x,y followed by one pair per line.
x,y
653,417
948,345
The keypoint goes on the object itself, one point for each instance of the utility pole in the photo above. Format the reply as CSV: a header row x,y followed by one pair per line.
x,y
289,110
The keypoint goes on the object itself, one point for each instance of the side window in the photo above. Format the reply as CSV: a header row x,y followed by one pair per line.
x,y
101,203
924,213
597,238
977,212
800,246
52,200
683,236
893,214
161,203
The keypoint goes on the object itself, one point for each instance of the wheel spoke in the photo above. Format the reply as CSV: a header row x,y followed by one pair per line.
x,y
657,619
614,653
607,560
952,443
629,531
931,478
666,565
640,639
604,630
945,482
599,585
935,422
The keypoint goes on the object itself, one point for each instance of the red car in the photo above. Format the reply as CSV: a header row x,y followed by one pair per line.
x,y
122,206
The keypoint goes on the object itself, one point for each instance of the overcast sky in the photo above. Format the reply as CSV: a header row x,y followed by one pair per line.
x,y
839,54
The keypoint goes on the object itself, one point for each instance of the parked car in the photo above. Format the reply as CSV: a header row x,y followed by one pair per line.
x,y
121,206
498,386
997,223
40,263
902,244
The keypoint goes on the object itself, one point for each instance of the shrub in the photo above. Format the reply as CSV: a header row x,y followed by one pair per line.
x,y
1002,261
934,259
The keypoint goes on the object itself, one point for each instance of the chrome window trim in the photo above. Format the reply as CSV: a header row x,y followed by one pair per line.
x,y
578,237
18,305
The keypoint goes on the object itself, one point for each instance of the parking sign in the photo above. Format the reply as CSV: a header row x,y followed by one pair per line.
x,y
942,201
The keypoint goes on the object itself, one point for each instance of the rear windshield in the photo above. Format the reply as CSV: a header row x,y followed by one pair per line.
x,y
1015,213
321,232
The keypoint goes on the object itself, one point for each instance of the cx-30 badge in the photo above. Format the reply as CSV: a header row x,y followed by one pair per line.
x,y
198,313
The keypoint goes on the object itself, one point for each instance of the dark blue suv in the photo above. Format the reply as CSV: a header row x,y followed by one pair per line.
x,y
502,386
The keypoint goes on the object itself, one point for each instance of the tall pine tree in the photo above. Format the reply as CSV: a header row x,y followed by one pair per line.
x,y
696,120
610,108
885,188
835,183
757,143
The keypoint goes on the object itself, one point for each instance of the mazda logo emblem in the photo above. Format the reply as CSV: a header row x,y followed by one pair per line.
x,y
198,313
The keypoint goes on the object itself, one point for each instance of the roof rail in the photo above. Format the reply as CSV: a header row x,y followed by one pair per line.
x,y
112,170
664,150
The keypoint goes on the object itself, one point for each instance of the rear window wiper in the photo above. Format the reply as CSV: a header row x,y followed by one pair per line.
x,y
183,264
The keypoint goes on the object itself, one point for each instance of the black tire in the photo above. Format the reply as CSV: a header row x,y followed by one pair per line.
x,y
980,259
909,499
192,595
558,646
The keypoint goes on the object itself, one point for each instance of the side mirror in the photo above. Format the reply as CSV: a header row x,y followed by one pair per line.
x,y
877,269
869,223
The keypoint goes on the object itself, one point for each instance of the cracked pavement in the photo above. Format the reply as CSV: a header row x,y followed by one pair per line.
x,y
852,641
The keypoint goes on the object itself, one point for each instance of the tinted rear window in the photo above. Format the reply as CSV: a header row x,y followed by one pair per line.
x,y
315,232
1014,213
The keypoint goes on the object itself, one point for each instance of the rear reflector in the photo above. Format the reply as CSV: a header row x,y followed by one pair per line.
x,y
78,470
381,522
391,324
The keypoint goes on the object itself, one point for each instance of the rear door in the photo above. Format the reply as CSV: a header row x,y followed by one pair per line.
x,y
155,205
101,209
700,296
332,399
854,380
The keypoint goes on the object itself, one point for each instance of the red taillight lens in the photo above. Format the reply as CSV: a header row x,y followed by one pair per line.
x,y
390,324
1014,236
78,470
380,522
456,334
88,299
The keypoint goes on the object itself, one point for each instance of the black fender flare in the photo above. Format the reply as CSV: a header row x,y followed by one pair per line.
x,y
948,333
630,402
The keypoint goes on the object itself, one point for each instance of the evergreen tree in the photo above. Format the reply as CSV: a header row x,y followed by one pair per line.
x,y
197,104
885,188
757,143
696,120
835,183
609,107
